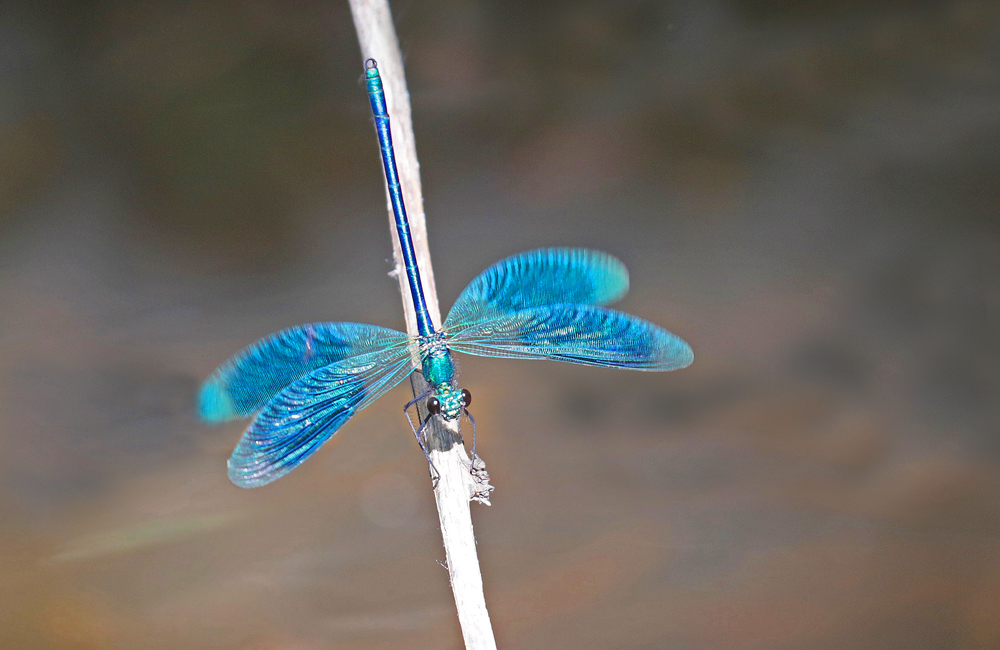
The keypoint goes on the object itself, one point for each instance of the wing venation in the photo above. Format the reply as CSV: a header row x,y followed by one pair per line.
x,y
540,277
583,334
308,412
253,376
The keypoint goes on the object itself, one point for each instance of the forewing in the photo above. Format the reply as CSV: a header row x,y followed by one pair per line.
x,y
546,276
593,336
249,379
308,412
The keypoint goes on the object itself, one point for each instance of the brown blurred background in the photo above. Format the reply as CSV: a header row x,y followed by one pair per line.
x,y
806,191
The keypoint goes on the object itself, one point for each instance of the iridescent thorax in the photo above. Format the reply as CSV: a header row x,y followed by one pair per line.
x,y
439,371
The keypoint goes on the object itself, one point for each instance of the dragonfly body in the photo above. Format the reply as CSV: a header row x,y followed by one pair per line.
x,y
436,363
302,384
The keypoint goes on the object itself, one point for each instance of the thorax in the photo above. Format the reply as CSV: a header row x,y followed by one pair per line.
x,y
439,371
436,363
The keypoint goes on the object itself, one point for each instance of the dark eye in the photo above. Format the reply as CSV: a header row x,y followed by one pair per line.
x,y
433,406
466,397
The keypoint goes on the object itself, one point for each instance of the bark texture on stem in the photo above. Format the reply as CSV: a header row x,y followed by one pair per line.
x,y
459,480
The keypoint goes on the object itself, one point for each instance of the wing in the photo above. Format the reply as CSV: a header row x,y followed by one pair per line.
x,y
546,276
255,374
308,412
592,336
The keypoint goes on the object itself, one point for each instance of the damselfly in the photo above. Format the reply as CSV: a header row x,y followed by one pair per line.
x,y
302,384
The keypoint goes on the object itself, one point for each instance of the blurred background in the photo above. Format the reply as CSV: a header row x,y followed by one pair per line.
x,y
806,191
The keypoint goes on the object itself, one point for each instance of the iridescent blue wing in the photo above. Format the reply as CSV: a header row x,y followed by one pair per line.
x,y
546,276
255,374
592,336
309,411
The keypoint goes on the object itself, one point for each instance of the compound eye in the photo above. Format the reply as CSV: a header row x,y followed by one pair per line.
x,y
466,397
433,406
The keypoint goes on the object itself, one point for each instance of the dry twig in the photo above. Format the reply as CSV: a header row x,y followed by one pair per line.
x,y
459,481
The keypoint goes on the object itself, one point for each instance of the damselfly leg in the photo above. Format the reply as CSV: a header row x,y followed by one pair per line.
x,y
473,421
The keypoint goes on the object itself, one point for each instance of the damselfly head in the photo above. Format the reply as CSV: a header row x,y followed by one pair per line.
x,y
448,402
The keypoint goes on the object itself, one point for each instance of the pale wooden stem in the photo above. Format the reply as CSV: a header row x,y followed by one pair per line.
x,y
456,484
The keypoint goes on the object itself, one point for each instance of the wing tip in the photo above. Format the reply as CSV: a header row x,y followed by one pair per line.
x,y
686,356
246,469
681,354
242,478
615,282
672,352
214,405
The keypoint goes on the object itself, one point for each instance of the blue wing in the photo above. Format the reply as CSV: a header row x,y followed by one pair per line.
x,y
546,276
255,374
592,336
308,412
